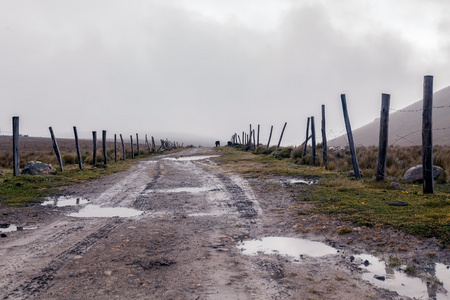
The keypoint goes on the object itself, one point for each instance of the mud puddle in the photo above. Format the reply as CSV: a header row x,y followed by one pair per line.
x,y
287,246
66,201
191,158
303,181
11,228
96,211
193,190
381,275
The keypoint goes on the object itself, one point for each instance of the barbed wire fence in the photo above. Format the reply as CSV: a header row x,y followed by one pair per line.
x,y
426,130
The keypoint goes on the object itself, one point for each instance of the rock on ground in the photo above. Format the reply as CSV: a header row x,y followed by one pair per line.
x,y
416,173
38,168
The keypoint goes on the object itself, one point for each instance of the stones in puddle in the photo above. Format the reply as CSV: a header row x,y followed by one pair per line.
x,y
379,277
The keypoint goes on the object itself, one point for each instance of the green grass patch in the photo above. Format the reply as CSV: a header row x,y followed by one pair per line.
x,y
363,202
26,189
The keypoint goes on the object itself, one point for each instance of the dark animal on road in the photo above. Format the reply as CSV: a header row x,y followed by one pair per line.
x,y
217,143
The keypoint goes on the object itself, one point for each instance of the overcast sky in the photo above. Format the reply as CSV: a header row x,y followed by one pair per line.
x,y
177,68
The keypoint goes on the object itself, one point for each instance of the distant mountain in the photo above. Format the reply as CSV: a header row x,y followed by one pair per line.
x,y
405,125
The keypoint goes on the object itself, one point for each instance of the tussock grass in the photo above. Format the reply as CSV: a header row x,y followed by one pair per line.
x,y
27,189
363,202
41,149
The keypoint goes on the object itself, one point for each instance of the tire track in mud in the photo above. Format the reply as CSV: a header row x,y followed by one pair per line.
x,y
141,201
47,274
244,206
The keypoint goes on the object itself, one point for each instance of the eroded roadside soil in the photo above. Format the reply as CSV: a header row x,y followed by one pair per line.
x,y
184,245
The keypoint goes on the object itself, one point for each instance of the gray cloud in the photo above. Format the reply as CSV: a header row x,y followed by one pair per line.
x,y
150,66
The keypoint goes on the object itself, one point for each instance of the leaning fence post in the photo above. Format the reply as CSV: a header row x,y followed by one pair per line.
x,y
105,157
148,144
77,145
94,151
16,157
115,148
124,154
132,147
324,140
313,142
281,136
350,137
249,141
427,135
383,139
153,144
270,136
55,147
307,137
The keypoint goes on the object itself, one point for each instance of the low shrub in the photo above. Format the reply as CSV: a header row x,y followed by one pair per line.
x,y
281,153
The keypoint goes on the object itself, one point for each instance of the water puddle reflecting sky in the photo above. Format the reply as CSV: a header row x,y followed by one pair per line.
x,y
190,158
12,228
293,247
65,201
302,181
193,190
96,211
386,277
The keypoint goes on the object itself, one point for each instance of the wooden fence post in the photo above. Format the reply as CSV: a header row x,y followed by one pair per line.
x,y
124,153
132,147
313,142
137,144
56,149
350,137
270,136
281,136
105,156
148,144
16,156
383,139
324,140
427,136
77,146
153,144
254,143
249,141
307,137
115,147
257,141
94,151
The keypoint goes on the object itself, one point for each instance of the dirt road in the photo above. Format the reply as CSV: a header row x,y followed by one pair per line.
x,y
182,219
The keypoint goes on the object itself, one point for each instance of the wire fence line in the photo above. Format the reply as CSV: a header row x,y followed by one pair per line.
x,y
417,110
405,137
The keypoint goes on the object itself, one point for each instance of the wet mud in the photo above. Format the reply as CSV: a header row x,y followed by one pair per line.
x,y
196,231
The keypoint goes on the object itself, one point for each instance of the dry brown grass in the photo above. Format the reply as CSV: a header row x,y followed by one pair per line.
x,y
399,159
41,149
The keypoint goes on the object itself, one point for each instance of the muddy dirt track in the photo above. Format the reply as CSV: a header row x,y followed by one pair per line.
x,y
190,216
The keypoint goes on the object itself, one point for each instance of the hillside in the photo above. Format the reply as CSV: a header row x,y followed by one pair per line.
x,y
405,125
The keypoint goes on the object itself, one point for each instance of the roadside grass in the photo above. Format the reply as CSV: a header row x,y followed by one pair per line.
x,y
27,189
362,202
249,163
